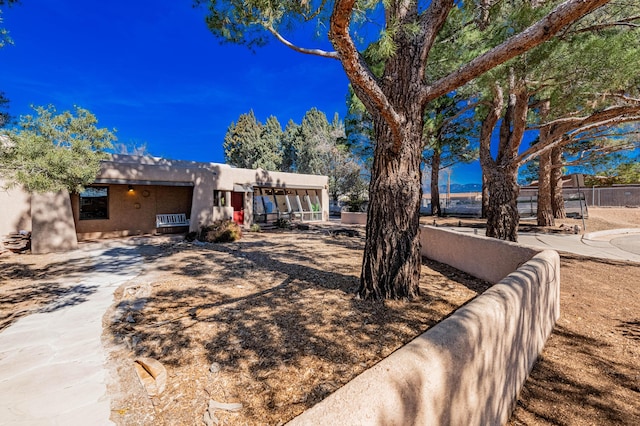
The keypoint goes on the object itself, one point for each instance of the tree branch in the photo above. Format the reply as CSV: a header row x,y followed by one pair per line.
x,y
627,22
431,22
316,52
469,106
538,33
594,154
563,137
364,83
488,124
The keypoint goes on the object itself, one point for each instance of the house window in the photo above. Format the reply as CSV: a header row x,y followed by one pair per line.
x,y
94,203
218,198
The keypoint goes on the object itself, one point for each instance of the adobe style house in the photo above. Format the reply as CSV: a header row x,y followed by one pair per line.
x,y
135,195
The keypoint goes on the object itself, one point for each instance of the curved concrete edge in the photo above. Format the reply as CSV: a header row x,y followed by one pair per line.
x,y
469,368
597,234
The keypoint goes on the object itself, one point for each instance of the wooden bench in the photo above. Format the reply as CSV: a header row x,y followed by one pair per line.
x,y
171,220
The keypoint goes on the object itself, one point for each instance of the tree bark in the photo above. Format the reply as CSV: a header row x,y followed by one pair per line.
x,y
544,210
502,215
392,260
502,173
435,182
396,101
485,197
557,199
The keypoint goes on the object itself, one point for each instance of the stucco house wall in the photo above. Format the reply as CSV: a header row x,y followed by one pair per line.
x,y
15,210
133,212
53,224
202,191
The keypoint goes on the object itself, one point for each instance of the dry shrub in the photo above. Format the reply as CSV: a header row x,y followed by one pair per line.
x,y
221,231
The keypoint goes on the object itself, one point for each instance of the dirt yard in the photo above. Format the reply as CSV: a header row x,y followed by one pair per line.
x,y
271,322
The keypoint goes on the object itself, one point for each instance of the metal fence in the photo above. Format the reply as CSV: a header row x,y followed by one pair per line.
x,y
575,204
610,196
575,201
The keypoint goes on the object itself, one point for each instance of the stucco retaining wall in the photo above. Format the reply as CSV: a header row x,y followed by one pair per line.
x,y
15,210
469,368
353,218
487,258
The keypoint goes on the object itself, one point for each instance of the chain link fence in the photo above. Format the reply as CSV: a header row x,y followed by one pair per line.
x,y
576,201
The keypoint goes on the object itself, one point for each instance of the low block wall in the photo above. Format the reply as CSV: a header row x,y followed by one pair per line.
x,y
353,218
469,368
483,257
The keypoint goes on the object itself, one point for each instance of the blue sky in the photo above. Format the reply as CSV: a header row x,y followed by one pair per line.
x,y
153,71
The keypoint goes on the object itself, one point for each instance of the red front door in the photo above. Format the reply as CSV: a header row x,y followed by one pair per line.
x,y
237,202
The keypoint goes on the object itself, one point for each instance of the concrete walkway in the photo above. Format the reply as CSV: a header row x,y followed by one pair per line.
x,y
52,363
615,244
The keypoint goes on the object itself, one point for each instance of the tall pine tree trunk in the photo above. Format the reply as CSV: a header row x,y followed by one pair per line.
x,y
544,210
392,261
557,199
502,214
502,172
435,182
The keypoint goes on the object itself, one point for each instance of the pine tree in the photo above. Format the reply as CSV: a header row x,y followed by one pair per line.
x,y
396,100
51,151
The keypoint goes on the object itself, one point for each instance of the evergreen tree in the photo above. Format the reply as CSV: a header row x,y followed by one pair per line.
x,y
315,139
268,156
250,144
242,141
565,86
447,135
396,100
288,146
51,152
4,110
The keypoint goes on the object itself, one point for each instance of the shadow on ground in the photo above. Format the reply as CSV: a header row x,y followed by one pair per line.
x,y
27,288
259,307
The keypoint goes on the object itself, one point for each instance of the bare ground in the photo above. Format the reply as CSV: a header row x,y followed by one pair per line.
x,y
271,322
275,314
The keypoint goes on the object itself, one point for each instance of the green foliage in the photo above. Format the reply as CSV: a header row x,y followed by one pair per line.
x,y
4,107
282,223
251,145
629,172
244,22
255,228
626,171
221,231
356,204
448,132
4,34
288,146
314,146
50,151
